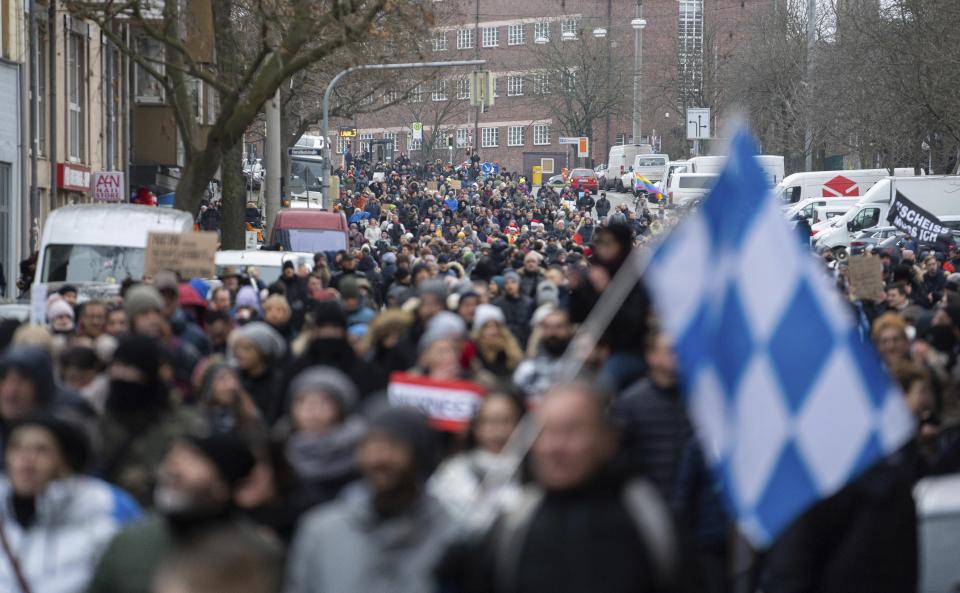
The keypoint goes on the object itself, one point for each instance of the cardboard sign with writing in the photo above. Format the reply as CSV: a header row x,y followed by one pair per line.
x,y
432,185
454,184
866,277
188,254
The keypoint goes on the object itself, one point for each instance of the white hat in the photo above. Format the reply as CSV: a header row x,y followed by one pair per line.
x,y
487,313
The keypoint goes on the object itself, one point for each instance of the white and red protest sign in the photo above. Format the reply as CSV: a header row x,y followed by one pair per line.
x,y
449,404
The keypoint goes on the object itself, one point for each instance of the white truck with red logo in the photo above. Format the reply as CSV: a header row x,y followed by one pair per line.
x,y
832,184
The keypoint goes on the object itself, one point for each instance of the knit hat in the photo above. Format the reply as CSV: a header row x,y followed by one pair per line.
x,y
34,364
389,258
73,441
140,352
435,287
487,313
165,281
247,297
329,313
547,292
511,275
330,381
441,326
411,427
141,299
57,307
265,339
229,453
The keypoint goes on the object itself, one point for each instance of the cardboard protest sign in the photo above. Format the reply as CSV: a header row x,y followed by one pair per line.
x,y
454,183
432,185
188,254
865,275
450,405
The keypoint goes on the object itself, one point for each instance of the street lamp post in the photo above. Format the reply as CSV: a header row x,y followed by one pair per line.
x,y
638,24
327,165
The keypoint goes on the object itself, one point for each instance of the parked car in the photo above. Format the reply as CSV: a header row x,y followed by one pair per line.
x,y
556,181
601,171
268,263
584,180
310,230
685,187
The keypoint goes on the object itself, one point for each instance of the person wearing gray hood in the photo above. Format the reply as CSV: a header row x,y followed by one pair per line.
x,y
324,432
256,349
390,535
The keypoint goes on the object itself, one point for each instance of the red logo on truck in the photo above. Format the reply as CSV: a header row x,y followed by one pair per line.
x,y
841,187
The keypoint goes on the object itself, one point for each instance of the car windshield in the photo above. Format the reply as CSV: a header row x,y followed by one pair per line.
x,y
581,173
312,240
651,162
92,263
698,182
269,274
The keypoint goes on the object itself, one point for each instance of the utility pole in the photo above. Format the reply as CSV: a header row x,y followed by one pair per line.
x,y
609,68
476,56
34,128
638,24
811,46
273,144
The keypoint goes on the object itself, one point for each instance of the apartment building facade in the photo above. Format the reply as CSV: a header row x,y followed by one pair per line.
x,y
522,128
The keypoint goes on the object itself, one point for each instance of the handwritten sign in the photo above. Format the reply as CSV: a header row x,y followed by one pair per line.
x,y
188,254
107,186
866,277
454,183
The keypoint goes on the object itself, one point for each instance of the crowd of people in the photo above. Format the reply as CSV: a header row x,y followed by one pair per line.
x,y
192,435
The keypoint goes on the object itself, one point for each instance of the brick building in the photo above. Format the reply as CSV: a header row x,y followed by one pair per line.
x,y
522,127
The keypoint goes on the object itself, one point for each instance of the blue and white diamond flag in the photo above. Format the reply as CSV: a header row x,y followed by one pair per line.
x,y
786,400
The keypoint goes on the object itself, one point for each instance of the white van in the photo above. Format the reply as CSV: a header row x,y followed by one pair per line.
x,y
939,195
772,165
620,160
95,247
686,187
651,166
832,184
268,263
806,207
829,212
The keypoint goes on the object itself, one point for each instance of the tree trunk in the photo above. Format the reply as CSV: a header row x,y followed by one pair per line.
x,y
200,169
234,199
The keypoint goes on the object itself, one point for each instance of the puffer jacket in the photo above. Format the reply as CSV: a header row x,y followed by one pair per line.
x,y
75,520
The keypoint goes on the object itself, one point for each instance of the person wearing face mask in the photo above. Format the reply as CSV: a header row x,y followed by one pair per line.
x,y
140,420
535,375
54,522
195,495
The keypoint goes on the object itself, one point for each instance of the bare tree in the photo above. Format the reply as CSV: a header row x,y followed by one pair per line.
x,y
281,38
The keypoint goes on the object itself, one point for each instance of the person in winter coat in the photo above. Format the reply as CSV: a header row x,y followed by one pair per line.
x,y
458,482
257,348
498,350
531,275
324,432
517,307
140,419
603,205
391,533
225,405
54,522
278,314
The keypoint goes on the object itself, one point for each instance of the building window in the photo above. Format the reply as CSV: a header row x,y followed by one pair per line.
x,y
541,83
195,90
621,138
490,137
368,99
465,39
391,97
690,48
541,134
77,95
147,88
439,91
414,144
416,95
515,35
514,86
392,137
568,26
515,136
440,41
541,30
463,88
42,91
461,137
491,36
496,85
342,144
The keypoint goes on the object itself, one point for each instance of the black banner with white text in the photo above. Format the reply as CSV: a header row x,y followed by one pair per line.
x,y
914,220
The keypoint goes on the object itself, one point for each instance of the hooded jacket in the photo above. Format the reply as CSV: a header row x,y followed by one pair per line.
x,y
76,519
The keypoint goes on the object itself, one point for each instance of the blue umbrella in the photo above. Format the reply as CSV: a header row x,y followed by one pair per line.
x,y
358,216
